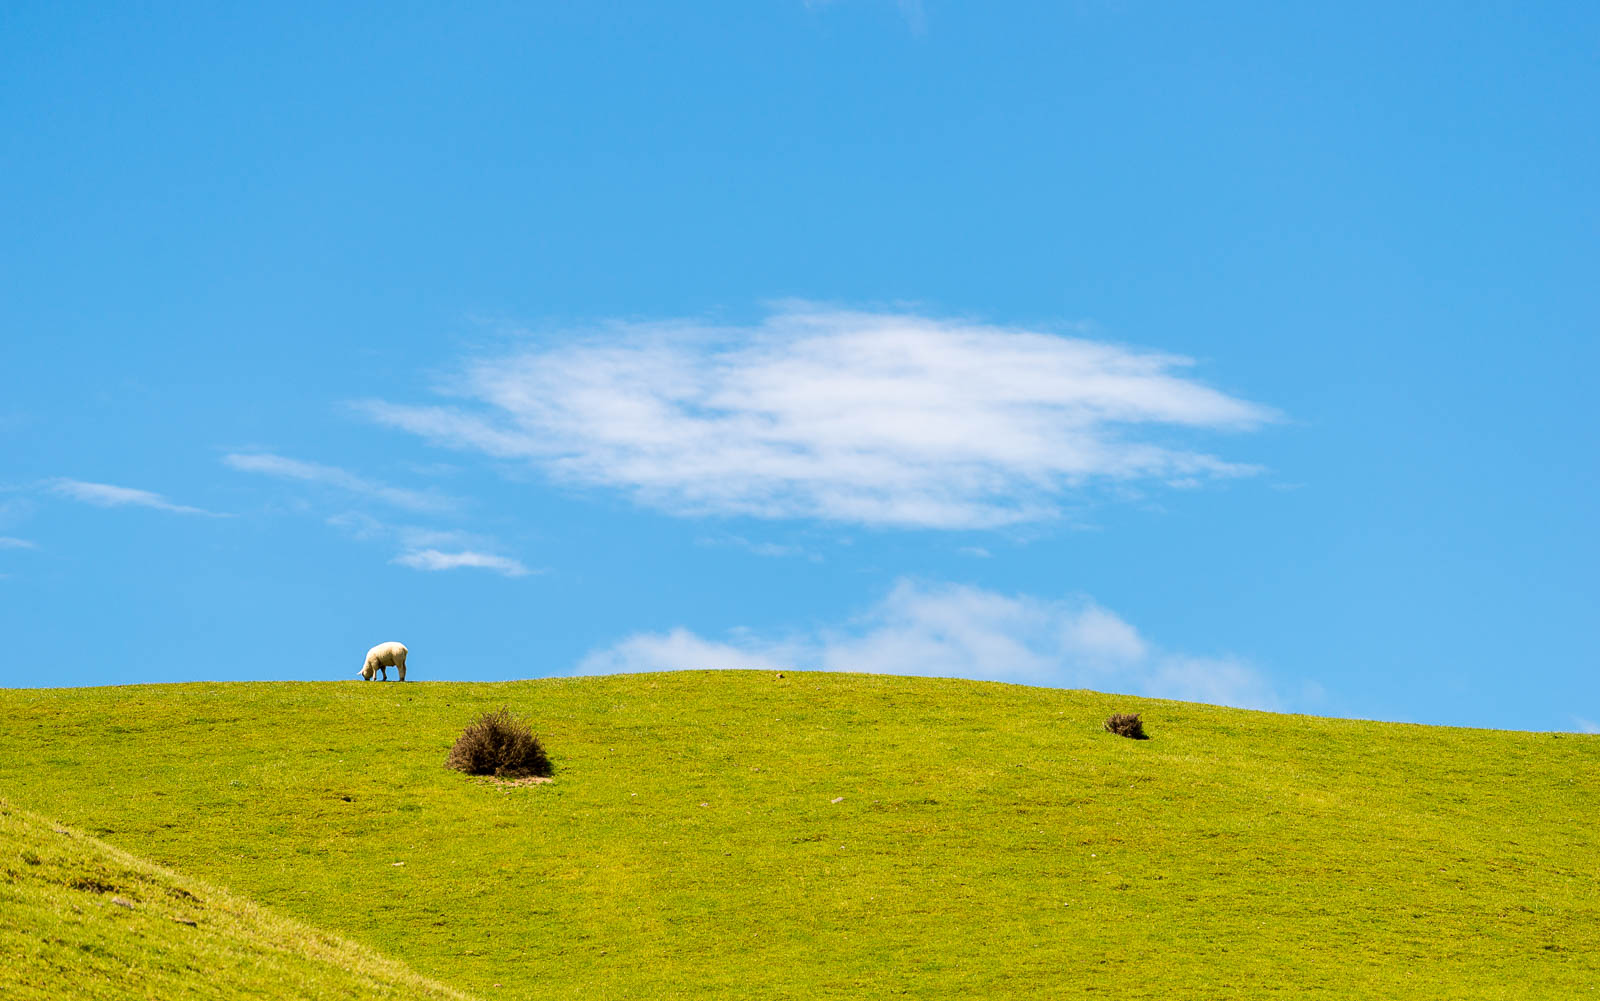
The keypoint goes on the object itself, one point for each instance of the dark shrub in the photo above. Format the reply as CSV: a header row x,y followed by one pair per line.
x,y
499,743
1127,725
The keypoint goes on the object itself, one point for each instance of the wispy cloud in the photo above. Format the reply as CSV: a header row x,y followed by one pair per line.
x,y
7,542
364,527
107,495
871,418
1586,725
943,630
283,467
433,559
775,550
420,546
17,508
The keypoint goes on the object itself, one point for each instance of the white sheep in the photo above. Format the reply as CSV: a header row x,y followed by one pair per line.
x,y
382,657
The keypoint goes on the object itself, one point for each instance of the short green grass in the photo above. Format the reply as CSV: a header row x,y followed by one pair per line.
x,y
734,834
81,919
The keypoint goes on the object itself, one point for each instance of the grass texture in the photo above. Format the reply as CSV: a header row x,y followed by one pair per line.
x,y
737,834
81,919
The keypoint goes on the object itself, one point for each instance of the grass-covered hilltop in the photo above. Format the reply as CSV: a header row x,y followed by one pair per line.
x,y
80,919
738,834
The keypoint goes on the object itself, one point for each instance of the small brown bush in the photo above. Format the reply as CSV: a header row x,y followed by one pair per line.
x,y
1127,725
499,743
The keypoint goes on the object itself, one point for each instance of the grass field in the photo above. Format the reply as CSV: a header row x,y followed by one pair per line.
x,y
81,919
733,834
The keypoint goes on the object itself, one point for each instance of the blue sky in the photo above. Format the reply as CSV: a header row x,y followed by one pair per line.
x,y
1239,354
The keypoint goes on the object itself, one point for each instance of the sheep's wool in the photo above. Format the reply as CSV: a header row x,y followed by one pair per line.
x,y
382,656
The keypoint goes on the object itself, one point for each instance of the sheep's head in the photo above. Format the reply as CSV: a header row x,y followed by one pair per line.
x,y
367,671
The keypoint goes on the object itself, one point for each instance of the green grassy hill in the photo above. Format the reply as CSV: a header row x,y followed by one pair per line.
x,y
732,834
81,919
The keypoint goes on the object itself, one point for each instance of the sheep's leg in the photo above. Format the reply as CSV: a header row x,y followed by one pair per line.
x,y
383,669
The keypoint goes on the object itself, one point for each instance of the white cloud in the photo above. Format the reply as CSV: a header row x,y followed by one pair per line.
x,y
419,545
433,559
871,418
107,495
315,472
964,632
365,528
7,542
1586,725
1218,680
360,526
682,649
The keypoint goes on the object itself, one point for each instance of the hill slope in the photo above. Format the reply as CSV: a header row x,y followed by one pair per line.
x,y
81,919
717,834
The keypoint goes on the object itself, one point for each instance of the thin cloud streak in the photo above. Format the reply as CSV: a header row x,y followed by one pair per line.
x,y
868,418
943,630
7,542
770,550
433,560
420,545
269,464
109,495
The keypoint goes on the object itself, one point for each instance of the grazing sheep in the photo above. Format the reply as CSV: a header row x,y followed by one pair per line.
x,y
382,657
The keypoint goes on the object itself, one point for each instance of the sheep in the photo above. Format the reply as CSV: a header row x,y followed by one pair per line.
x,y
382,657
